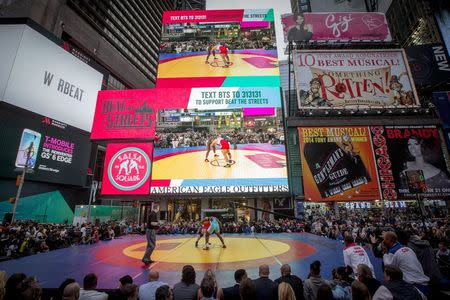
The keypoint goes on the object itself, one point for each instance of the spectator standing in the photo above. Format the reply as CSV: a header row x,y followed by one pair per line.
x,y
186,289
163,293
443,258
355,254
247,289
360,291
71,291
365,276
294,281
232,293
285,292
395,287
314,281
150,233
121,293
147,290
88,291
266,289
406,260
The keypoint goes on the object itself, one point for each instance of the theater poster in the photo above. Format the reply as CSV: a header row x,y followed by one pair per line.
x,y
332,26
338,164
218,48
352,79
418,164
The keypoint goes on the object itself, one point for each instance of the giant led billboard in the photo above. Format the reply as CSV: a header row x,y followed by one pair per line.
x,y
40,76
218,48
216,145
332,26
58,153
337,79
373,162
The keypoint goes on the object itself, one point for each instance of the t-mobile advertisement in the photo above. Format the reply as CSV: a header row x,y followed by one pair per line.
x,y
57,152
127,169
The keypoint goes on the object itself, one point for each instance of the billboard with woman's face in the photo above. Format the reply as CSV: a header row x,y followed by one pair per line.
x,y
418,164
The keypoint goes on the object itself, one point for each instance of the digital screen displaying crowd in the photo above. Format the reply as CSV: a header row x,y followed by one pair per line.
x,y
219,151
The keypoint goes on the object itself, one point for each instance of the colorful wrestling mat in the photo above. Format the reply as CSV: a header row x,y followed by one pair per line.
x,y
248,68
112,259
253,165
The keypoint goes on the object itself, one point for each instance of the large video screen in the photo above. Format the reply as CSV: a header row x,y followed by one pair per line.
x,y
218,48
228,143
58,153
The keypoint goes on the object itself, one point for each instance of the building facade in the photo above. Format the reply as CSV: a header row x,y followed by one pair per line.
x,y
412,23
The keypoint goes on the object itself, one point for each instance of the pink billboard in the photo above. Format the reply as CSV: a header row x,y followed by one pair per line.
x,y
130,114
336,26
127,169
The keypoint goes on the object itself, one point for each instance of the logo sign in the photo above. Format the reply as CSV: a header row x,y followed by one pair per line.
x,y
335,26
128,169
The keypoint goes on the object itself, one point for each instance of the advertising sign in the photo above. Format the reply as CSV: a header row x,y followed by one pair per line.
x,y
417,163
338,164
215,148
353,79
218,48
127,169
42,77
349,26
442,100
430,64
28,149
443,21
130,114
58,153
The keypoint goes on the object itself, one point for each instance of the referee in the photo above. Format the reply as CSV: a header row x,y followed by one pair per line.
x,y
150,232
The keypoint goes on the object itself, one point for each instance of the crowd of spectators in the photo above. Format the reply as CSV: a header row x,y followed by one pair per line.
x,y
414,252
24,238
199,138
243,43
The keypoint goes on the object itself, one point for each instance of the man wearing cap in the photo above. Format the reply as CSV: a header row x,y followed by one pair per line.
x,y
312,97
120,293
147,290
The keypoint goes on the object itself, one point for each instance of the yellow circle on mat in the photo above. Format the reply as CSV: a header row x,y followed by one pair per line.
x,y
184,251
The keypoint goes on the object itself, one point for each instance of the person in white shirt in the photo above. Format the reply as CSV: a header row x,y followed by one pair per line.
x,y
147,290
406,260
395,287
88,291
355,255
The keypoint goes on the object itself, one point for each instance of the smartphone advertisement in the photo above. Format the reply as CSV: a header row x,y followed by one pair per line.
x,y
28,148
56,152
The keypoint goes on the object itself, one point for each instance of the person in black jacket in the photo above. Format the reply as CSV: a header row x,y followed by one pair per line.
x,y
365,276
294,281
266,289
300,31
232,293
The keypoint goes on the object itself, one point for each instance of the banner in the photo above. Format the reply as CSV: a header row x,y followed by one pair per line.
x,y
58,153
442,101
430,64
42,77
130,114
338,164
218,48
416,159
337,79
127,169
349,26
443,21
